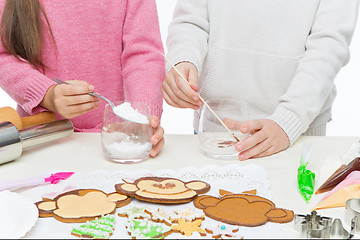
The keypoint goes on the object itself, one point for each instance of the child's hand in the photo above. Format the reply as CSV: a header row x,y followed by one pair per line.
x,y
70,100
266,138
158,136
177,92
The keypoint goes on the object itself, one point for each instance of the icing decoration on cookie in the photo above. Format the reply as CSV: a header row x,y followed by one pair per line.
x,y
188,214
159,215
145,229
101,228
222,231
242,209
81,205
134,212
187,228
163,190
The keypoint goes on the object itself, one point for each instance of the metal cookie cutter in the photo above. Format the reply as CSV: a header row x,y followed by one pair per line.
x,y
316,226
335,231
312,221
352,214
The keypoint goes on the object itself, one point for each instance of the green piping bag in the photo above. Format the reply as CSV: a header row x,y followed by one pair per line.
x,y
305,177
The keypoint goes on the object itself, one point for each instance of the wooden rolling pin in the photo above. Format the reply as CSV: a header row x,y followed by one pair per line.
x,y
10,115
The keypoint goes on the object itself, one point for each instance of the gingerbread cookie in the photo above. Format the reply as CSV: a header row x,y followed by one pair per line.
x,y
242,209
134,212
163,190
223,192
189,214
159,215
187,228
145,229
81,205
101,228
222,231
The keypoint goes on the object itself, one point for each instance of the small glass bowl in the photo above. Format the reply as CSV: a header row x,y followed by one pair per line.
x,y
124,141
215,141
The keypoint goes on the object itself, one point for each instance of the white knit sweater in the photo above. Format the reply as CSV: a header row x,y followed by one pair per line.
x,y
281,56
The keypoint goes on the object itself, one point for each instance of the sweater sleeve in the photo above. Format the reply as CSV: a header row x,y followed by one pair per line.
x,y
188,33
142,61
22,82
327,51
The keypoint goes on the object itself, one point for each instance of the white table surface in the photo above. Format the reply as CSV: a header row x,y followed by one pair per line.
x,y
83,152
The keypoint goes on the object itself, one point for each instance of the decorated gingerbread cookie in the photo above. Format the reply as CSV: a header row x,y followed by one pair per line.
x,y
242,209
187,228
160,215
134,212
163,190
146,229
81,205
189,214
98,229
222,231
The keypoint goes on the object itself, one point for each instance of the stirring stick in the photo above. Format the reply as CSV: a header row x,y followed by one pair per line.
x,y
207,105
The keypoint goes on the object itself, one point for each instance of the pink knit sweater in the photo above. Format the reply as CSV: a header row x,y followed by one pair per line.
x,y
114,45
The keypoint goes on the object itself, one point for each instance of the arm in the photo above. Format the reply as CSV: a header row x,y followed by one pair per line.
x,y
25,84
188,33
327,51
188,46
142,60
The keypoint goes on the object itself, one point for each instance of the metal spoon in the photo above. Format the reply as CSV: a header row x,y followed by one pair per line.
x,y
112,105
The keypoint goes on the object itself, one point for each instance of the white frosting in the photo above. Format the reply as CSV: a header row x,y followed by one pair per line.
x,y
126,111
223,231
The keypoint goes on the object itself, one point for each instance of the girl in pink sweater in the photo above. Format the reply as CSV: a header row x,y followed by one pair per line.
x,y
112,47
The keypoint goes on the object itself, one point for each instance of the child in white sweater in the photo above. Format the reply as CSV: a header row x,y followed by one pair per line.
x,y
281,57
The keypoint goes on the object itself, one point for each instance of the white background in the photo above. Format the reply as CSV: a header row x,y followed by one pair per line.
x,y
346,110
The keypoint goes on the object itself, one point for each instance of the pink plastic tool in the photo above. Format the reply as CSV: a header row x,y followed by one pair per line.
x,y
35,181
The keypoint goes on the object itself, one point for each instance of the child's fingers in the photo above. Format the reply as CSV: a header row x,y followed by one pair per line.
x,y
251,141
75,109
154,121
78,82
267,152
157,136
71,112
255,150
251,126
79,99
232,124
183,91
69,90
193,79
156,149
167,98
173,100
81,113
